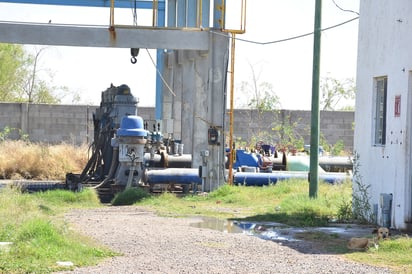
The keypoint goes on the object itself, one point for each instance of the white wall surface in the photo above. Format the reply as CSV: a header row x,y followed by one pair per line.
x,y
384,49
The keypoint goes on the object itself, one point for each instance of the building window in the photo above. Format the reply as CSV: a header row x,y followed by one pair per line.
x,y
381,90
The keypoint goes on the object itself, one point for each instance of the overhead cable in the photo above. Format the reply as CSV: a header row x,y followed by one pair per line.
x,y
345,10
293,37
160,74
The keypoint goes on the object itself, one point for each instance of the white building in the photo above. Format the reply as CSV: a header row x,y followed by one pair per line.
x,y
383,117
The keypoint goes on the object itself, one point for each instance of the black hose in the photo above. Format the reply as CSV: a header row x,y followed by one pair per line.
x,y
113,167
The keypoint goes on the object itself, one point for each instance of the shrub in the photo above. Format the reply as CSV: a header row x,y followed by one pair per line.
x,y
130,196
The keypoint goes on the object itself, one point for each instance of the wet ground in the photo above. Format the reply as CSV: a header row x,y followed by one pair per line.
x,y
278,231
330,239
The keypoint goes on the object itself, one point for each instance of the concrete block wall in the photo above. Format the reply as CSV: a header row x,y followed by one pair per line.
x,y
48,123
74,123
10,115
337,126
54,123
334,125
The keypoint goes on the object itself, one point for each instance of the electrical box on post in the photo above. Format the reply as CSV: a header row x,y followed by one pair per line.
x,y
213,136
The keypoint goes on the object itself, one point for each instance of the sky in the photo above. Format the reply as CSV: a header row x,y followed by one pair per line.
x,y
287,65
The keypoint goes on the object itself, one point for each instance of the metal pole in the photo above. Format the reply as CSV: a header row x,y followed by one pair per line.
x,y
111,13
231,111
160,63
155,13
315,115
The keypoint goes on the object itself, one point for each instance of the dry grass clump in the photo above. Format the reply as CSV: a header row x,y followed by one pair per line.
x,y
25,160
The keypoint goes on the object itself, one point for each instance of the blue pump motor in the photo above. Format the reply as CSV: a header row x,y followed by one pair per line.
x,y
132,125
131,138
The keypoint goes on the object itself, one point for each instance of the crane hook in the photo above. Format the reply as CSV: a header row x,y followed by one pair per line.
x,y
134,52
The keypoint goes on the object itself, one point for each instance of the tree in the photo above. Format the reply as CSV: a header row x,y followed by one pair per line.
x,y
264,99
37,90
12,60
287,135
22,78
335,92
261,95
31,85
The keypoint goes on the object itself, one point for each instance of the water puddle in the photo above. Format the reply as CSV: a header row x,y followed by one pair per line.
x,y
265,230
277,231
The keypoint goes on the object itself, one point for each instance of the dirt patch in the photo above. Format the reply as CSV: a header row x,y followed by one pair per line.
x,y
153,244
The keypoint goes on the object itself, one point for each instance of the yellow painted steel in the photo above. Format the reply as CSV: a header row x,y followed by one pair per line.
x,y
154,13
199,14
241,30
242,23
231,110
111,13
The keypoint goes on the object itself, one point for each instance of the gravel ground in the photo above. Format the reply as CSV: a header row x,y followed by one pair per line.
x,y
152,244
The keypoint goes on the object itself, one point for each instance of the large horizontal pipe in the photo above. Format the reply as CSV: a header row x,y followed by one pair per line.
x,y
261,179
335,163
170,161
172,176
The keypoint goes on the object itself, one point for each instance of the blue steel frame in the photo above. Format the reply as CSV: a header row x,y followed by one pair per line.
x,y
141,4
186,16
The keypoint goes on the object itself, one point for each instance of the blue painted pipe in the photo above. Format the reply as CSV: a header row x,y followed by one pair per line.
x,y
334,177
173,175
191,175
261,179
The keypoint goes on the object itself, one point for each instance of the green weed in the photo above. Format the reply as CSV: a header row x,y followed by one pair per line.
x,y
393,253
130,196
287,202
32,223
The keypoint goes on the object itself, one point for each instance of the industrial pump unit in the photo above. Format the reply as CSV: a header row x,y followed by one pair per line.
x,y
125,153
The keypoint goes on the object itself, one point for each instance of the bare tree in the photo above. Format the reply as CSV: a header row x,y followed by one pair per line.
x,y
24,79
34,88
335,92
31,80
260,95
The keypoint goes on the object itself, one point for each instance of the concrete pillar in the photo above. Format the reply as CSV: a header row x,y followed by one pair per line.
x,y
219,58
201,106
177,100
198,80
168,95
188,99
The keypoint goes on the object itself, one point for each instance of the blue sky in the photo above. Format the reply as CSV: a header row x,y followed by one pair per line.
x,y
285,65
